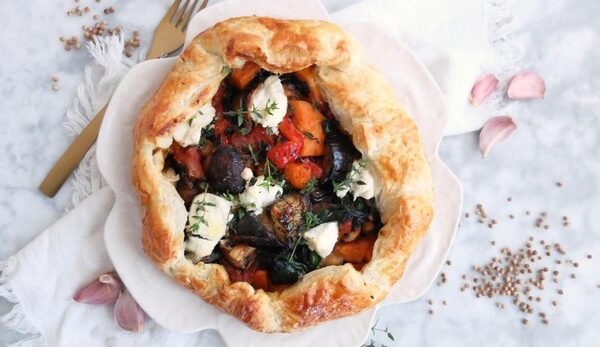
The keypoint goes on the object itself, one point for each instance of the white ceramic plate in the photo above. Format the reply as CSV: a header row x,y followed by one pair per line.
x,y
176,308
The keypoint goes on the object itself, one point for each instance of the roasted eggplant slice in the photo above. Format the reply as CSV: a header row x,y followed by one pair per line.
x,y
256,231
340,153
224,170
287,214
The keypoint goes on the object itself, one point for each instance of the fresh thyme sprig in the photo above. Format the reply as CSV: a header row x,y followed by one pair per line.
x,y
228,197
310,186
270,179
311,220
201,206
253,155
269,108
347,182
374,330
310,136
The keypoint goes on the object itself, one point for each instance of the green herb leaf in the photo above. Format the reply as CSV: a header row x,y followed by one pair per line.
x,y
245,131
310,136
310,186
311,220
228,196
253,155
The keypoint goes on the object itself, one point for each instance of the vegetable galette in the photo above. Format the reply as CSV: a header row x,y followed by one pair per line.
x,y
280,179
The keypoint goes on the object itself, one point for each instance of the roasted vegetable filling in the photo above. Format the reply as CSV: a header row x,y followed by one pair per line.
x,y
273,187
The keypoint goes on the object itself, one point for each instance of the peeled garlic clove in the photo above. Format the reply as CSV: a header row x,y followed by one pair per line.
x,y
526,85
103,290
482,88
128,314
495,130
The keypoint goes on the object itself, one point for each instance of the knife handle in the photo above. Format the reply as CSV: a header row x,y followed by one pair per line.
x,y
72,156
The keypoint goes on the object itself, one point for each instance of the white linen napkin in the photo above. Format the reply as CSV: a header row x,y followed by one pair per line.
x,y
42,278
457,42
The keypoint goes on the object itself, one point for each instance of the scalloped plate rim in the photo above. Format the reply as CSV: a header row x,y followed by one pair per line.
x,y
120,200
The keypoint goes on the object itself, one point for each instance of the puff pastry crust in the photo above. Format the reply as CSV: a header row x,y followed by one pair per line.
x,y
365,106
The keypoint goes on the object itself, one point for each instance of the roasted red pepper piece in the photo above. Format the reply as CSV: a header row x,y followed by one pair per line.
x,y
285,152
289,131
190,158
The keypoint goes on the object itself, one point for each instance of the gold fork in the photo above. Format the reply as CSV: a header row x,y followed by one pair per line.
x,y
168,37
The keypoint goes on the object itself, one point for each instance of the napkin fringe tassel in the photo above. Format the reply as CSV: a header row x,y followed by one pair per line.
x,y
101,76
16,319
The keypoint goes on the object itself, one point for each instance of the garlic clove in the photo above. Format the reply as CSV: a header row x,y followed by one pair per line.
x,y
526,85
482,88
495,130
128,314
101,291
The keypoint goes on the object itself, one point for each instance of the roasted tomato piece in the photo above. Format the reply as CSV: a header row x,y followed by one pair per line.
x,y
190,158
222,128
257,136
283,153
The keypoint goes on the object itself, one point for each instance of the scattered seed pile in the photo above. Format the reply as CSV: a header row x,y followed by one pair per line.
x,y
520,275
531,276
99,27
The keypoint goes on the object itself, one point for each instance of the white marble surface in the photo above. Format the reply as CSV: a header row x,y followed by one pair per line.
x,y
557,140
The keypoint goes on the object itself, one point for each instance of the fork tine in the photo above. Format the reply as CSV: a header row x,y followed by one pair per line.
x,y
177,16
172,10
203,5
184,21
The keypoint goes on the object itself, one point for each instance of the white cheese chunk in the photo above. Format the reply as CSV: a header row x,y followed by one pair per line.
x,y
322,238
261,194
270,102
247,174
188,133
208,216
361,182
199,247
164,142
